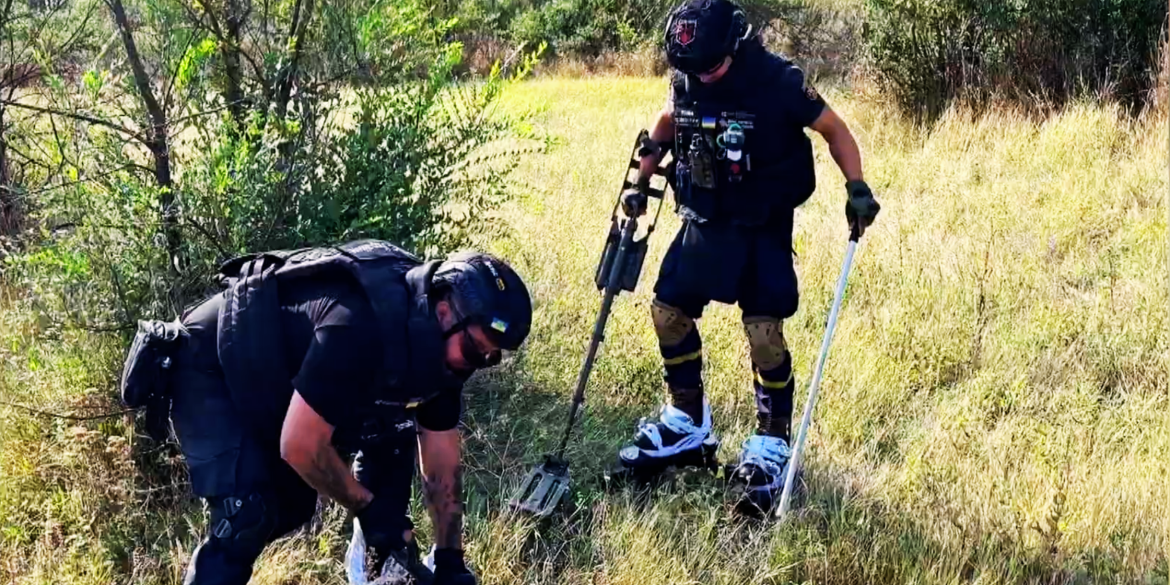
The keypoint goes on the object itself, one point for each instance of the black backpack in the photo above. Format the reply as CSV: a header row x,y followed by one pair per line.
x,y
395,282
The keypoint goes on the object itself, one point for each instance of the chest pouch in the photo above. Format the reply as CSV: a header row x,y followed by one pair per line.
x,y
146,374
715,144
701,162
732,152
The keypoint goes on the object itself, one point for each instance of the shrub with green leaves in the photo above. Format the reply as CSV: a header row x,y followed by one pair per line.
x,y
930,52
582,28
365,131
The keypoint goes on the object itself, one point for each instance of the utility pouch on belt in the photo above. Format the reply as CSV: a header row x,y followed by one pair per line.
x,y
146,375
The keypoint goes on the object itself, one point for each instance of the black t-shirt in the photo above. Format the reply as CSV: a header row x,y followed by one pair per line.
x,y
796,98
333,350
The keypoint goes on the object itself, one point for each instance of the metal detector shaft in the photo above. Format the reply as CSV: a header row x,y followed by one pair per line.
x,y
790,479
612,286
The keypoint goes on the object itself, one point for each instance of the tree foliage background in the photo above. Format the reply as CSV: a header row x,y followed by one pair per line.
x,y
151,140
925,53
929,53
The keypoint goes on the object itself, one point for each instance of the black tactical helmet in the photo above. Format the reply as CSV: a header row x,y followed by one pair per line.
x,y
488,292
700,33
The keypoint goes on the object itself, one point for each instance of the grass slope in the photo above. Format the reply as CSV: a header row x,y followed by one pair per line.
x,y
994,409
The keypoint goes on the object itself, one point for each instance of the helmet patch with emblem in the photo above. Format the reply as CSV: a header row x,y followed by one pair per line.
x,y
809,91
684,32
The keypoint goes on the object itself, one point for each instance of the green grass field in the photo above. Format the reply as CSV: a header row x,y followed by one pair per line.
x,y
995,408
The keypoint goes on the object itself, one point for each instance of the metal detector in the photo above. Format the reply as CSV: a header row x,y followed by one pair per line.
x,y
617,270
794,463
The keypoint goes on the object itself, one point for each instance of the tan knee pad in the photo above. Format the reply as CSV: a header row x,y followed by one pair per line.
x,y
766,339
670,323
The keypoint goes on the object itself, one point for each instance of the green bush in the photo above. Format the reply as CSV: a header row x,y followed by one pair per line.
x,y
931,52
418,168
580,28
590,27
400,150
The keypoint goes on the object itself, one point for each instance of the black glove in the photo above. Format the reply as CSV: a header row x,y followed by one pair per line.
x,y
449,568
383,525
862,208
633,202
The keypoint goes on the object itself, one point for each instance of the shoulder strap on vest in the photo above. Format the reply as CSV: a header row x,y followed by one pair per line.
x,y
680,85
247,320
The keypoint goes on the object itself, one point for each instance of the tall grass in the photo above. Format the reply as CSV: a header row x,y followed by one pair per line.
x,y
995,407
995,403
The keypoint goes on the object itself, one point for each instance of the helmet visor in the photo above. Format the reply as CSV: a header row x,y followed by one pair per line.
x,y
696,64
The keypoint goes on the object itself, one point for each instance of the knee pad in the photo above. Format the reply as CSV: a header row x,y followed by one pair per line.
x,y
766,340
242,526
670,323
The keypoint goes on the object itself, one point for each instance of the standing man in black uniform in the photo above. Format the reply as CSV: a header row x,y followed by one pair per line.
x,y
735,122
313,355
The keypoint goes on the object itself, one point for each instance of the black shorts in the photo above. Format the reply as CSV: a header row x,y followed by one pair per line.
x,y
224,456
748,266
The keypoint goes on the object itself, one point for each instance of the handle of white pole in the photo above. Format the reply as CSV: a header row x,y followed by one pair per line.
x,y
806,420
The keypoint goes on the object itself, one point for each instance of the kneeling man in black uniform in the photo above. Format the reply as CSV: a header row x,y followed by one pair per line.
x,y
310,356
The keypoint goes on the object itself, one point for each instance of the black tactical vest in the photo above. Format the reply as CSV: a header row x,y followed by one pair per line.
x,y
396,284
738,157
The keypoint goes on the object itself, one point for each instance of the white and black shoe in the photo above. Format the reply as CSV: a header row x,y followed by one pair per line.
x,y
671,439
762,469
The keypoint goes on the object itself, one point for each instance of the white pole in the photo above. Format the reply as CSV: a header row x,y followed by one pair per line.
x,y
790,480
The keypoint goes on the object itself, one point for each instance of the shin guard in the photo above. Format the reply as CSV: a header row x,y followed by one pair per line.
x,y
772,375
682,357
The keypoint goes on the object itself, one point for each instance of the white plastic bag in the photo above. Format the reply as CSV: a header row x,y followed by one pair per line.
x,y
355,562
355,557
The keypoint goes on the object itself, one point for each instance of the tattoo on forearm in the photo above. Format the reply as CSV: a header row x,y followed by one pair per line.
x,y
329,475
444,496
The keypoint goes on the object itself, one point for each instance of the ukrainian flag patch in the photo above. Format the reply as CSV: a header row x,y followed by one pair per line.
x,y
499,325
